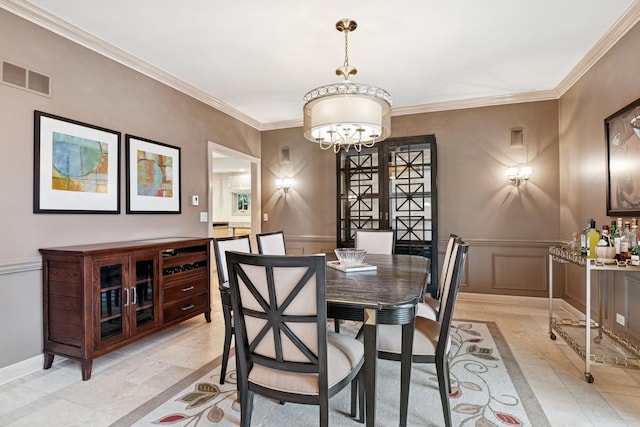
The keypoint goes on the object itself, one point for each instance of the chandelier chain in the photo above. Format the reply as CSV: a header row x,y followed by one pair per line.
x,y
346,49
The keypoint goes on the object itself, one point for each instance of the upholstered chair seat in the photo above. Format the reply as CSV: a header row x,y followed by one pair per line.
x,y
343,355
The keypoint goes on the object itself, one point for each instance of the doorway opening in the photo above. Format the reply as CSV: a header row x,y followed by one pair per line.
x,y
234,192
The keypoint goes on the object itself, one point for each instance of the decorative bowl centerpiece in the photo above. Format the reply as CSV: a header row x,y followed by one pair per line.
x,y
350,256
605,253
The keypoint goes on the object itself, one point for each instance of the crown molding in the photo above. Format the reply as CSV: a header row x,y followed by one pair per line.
x,y
61,27
52,23
485,101
615,33
285,124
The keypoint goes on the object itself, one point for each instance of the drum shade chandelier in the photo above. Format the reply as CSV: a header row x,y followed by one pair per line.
x,y
347,114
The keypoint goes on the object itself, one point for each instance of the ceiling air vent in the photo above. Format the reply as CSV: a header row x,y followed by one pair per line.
x,y
21,77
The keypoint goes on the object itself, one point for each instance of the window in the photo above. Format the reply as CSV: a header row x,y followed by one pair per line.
x,y
241,203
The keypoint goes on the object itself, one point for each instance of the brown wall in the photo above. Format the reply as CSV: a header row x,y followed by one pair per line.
x,y
89,88
509,229
607,87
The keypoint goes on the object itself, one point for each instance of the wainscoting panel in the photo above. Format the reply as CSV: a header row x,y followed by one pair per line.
x,y
629,291
519,272
506,267
306,245
21,313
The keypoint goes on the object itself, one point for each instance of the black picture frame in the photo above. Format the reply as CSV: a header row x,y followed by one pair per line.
x,y
622,133
76,166
153,177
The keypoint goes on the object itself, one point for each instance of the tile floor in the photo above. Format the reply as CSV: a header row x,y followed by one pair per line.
x,y
126,378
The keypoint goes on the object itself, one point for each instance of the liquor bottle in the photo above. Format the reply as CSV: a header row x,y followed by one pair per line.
x,y
624,242
584,248
593,237
605,248
615,235
635,254
605,239
633,237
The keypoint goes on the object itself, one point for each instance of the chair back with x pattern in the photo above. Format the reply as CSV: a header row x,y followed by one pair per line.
x,y
283,349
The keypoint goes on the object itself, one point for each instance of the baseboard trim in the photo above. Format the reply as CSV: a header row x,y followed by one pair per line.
x,y
537,302
20,369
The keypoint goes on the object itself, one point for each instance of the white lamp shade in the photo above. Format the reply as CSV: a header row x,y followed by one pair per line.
x,y
344,114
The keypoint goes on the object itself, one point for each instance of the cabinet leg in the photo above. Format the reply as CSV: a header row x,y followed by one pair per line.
x,y
86,369
48,360
207,316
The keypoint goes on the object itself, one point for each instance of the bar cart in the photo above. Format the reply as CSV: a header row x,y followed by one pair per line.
x,y
617,351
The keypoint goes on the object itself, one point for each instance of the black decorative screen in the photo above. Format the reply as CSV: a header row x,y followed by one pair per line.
x,y
391,186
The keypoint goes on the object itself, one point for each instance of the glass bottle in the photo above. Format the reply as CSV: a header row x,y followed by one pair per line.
x,y
633,237
635,253
593,237
616,235
624,242
584,248
605,239
574,245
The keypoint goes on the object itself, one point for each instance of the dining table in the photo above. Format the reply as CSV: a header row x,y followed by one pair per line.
x,y
386,295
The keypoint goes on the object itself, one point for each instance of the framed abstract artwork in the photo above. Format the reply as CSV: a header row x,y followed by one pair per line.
x,y
622,130
153,176
76,167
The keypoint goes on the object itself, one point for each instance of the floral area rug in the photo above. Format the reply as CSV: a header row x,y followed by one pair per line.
x,y
488,389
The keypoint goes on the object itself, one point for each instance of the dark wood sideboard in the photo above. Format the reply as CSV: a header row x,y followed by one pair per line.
x,y
100,297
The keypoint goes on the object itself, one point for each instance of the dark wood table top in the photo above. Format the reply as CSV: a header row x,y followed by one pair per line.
x,y
398,280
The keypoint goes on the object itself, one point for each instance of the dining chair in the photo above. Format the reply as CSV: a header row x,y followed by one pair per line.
x,y
271,243
283,349
429,307
376,241
221,245
431,339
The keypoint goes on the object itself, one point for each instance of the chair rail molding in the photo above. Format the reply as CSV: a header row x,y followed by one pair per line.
x,y
12,266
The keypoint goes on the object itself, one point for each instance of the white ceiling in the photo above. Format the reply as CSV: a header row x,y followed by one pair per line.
x,y
255,59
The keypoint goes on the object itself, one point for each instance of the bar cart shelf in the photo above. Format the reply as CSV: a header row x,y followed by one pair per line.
x,y
595,343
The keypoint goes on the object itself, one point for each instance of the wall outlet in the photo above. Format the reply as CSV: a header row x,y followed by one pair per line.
x,y
195,200
620,319
204,217
265,217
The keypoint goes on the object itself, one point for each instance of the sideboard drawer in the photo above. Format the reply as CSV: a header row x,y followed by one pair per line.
x,y
184,290
185,307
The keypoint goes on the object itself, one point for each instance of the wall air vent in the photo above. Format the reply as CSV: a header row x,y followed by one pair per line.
x,y
24,78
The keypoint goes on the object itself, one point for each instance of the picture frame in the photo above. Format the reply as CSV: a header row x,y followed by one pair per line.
x,y
622,132
153,176
76,166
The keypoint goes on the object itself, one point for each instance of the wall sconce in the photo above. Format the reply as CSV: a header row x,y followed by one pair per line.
x,y
284,184
519,176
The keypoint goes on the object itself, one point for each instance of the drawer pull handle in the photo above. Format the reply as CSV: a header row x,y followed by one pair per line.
x,y
189,307
187,289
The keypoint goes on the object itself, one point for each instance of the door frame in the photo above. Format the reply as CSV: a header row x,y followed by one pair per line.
x,y
256,196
